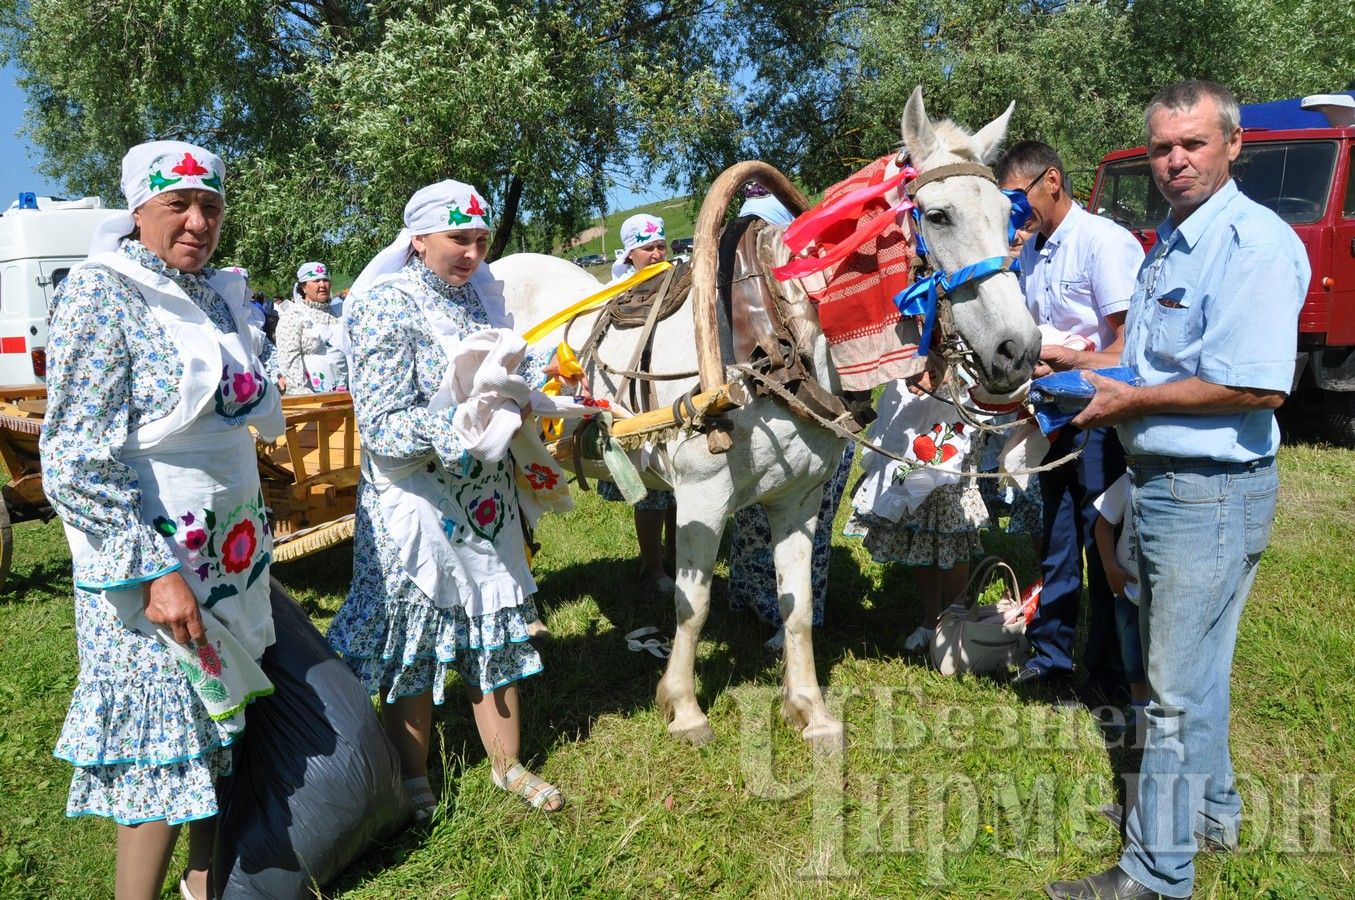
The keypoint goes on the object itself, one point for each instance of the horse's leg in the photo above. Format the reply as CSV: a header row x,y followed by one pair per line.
x,y
792,522
701,517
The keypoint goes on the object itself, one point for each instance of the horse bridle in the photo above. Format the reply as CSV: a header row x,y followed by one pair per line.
x,y
930,295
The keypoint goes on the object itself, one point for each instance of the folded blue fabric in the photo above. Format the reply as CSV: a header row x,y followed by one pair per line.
x,y
1059,397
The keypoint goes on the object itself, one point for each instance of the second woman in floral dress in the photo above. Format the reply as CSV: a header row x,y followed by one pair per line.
x,y
440,574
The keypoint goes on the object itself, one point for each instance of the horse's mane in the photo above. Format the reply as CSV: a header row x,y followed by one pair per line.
x,y
956,140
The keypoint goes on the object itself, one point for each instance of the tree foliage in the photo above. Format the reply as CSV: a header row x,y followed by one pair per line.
x,y
331,112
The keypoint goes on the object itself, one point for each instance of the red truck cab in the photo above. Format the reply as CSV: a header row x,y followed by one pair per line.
x,y
1306,175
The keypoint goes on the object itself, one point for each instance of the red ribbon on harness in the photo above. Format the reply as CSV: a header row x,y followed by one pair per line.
x,y
848,208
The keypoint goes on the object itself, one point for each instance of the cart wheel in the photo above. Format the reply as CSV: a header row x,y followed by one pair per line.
x,y
6,543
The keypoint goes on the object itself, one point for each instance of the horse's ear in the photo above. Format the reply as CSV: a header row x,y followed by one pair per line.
x,y
919,137
988,138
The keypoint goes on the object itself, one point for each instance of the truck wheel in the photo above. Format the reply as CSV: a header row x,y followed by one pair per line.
x,y
6,543
1336,418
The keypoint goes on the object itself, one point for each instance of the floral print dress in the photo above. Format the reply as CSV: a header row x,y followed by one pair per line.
x,y
943,531
143,745
752,560
300,339
394,638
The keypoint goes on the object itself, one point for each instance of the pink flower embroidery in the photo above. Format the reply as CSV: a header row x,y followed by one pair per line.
x,y
195,539
238,549
244,387
210,662
485,511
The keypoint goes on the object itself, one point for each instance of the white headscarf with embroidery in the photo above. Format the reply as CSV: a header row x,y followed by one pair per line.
x,y
311,271
445,206
640,230
155,168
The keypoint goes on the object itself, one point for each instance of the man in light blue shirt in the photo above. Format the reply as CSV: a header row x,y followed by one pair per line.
x,y
1212,331
1077,273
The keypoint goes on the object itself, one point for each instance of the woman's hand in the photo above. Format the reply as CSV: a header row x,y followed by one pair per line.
x,y
931,378
170,601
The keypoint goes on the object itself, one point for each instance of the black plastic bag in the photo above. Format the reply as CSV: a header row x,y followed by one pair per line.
x,y
316,781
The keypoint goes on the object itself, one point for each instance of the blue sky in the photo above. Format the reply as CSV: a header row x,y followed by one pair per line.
x,y
17,172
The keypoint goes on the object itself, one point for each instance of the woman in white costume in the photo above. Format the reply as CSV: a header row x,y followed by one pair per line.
x,y
440,574
153,375
309,342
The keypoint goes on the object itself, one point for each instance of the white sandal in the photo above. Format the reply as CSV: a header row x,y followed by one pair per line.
x,y
421,797
535,792
649,639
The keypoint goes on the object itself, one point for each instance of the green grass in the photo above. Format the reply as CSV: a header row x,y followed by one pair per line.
x,y
950,787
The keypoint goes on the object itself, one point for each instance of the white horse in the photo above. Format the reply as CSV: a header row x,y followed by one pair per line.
x,y
778,459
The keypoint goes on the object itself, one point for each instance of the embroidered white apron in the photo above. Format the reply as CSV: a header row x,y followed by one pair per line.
x,y
327,371
928,433
196,467
458,535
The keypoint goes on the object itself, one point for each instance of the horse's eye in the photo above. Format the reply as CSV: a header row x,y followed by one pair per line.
x,y
938,217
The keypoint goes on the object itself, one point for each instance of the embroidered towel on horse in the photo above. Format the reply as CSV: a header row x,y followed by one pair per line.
x,y
870,341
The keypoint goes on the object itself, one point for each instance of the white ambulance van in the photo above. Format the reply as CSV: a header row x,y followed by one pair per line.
x,y
41,239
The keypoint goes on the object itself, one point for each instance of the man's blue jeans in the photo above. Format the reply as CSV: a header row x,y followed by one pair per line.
x,y
1201,527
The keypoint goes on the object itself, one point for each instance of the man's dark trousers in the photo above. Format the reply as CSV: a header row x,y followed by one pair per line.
x,y
1069,518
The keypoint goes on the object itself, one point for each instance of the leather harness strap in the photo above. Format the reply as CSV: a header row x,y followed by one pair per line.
x,y
641,400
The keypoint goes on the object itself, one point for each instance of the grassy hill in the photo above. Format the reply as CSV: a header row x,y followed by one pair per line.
x,y
678,214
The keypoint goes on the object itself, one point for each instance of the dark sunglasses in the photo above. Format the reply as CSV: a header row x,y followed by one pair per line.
x,y
1021,208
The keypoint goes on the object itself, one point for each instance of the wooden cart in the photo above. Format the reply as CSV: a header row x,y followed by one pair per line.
x,y
309,475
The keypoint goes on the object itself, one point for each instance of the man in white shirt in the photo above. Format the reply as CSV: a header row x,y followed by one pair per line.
x,y
1078,274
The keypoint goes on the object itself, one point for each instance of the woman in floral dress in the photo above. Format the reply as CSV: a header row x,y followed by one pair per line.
x,y
440,576
309,339
153,376
643,243
920,513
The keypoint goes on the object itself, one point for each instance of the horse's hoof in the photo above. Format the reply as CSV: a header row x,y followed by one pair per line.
x,y
827,737
696,735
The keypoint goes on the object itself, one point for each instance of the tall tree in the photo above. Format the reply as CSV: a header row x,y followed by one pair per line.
x,y
330,112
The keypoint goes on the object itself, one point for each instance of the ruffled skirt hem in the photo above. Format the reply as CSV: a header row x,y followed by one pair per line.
x,y
153,721
407,647
130,794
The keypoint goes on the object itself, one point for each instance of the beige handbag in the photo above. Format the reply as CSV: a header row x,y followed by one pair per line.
x,y
973,638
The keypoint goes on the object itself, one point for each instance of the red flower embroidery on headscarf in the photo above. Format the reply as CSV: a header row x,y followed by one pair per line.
x,y
189,166
475,209
237,551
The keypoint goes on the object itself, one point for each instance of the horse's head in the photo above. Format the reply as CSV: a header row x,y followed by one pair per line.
x,y
963,218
